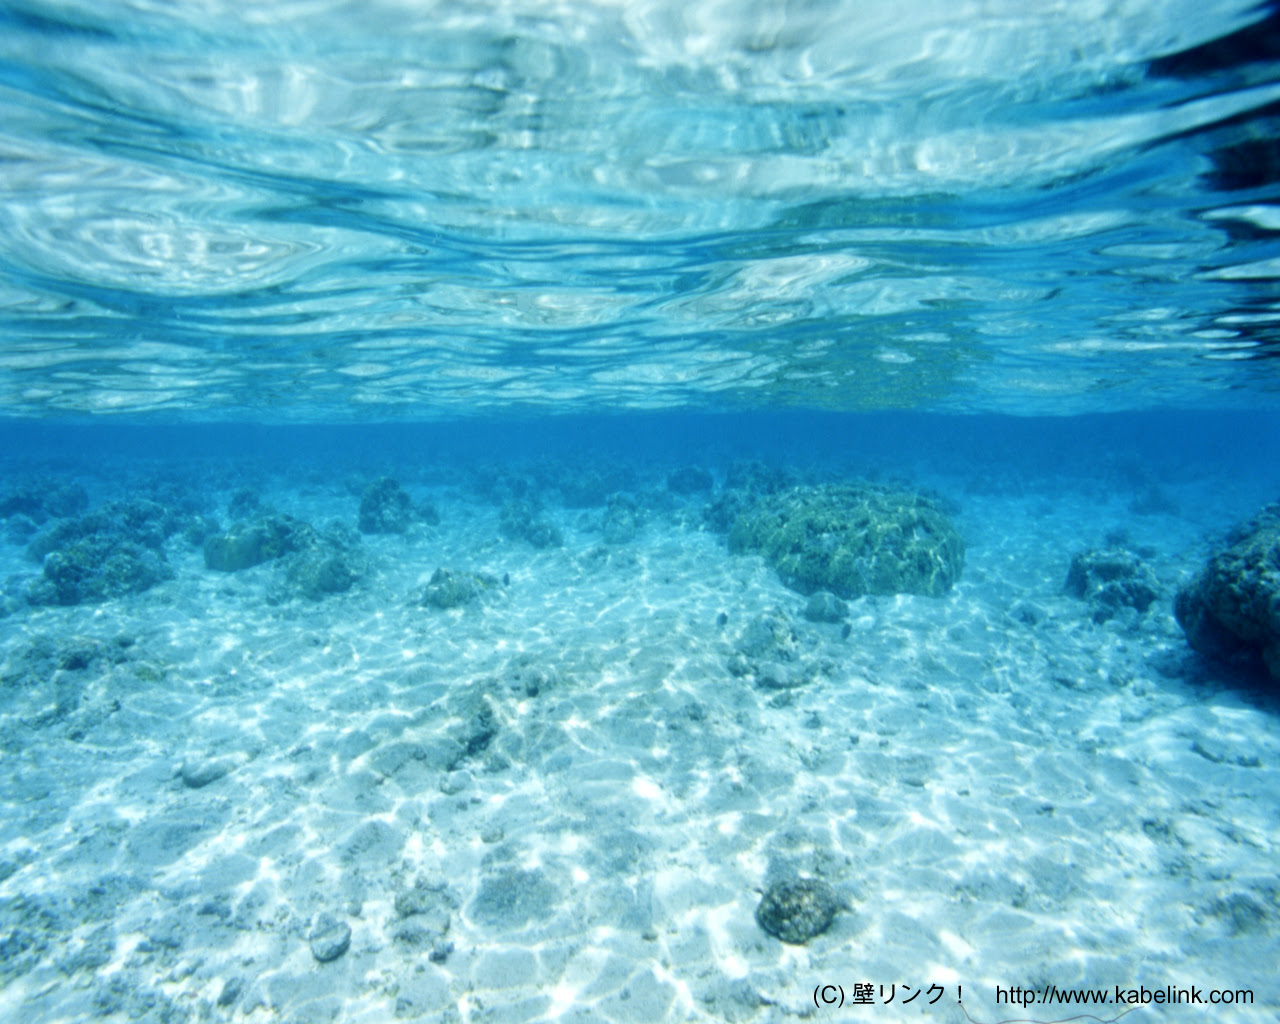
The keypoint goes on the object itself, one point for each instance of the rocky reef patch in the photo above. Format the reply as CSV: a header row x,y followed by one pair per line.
x,y
1111,580
852,539
1230,611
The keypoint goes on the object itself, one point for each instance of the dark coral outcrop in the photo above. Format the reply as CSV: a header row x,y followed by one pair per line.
x,y
1111,579
114,550
312,564
245,545
523,520
621,519
852,539
333,564
385,507
1231,609
43,498
96,569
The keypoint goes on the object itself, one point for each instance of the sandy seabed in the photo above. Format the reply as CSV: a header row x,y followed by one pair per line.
x,y
559,804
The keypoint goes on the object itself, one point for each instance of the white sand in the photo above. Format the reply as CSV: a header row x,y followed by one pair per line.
x,y
1002,802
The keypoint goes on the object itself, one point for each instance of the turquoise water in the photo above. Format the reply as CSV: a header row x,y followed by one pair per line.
x,y
639,512
320,212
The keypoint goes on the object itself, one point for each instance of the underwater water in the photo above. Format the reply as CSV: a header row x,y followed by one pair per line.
x,y
639,512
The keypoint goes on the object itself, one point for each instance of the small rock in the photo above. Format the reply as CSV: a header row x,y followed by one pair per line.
x,y
198,774
248,544
521,520
329,938
428,910
621,519
769,636
449,588
231,990
1111,580
798,909
824,606
527,678
773,675
1027,613
385,508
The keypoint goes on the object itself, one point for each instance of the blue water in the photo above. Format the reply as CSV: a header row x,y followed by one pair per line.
x,y
332,212
391,396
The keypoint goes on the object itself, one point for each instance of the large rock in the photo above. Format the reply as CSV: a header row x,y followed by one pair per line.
x,y
587,485
1231,609
621,519
1111,579
747,483
385,507
97,569
248,544
523,520
313,564
852,539
134,521
107,553
43,498
331,564
324,569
